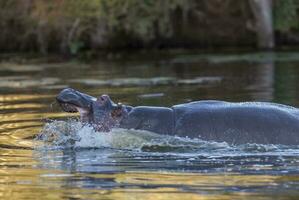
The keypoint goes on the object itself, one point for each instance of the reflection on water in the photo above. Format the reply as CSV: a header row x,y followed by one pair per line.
x,y
141,165
136,185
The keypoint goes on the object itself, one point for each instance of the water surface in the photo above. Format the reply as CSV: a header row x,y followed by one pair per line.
x,y
138,164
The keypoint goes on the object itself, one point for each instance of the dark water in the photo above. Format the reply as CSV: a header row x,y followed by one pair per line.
x,y
135,164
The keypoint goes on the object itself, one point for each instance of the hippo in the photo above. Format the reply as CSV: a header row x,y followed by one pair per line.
x,y
210,120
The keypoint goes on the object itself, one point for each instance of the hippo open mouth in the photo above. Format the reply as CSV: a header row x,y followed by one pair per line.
x,y
72,101
102,113
69,107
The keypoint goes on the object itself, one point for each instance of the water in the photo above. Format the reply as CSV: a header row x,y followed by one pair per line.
x,y
47,153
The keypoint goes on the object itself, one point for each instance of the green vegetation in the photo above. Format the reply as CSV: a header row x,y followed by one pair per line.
x,y
285,14
144,18
70,26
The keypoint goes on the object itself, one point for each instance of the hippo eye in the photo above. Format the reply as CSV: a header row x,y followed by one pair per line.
x,y
101,99
104,98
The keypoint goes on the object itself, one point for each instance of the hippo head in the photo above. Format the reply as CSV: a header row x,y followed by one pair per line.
x,y
102,113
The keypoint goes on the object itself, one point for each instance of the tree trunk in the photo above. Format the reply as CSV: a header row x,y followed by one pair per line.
x,y
262,11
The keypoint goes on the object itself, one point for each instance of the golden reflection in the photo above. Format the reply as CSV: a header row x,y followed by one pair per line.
x,y
14,127
173,194
21,106
16,137
16,157
21,124
148,178
26,132
15,142
16,152
22,183
22,97
33,116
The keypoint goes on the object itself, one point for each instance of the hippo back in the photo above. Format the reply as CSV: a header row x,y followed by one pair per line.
x,y
238,123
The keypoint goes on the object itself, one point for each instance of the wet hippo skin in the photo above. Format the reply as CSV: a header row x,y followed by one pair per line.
x,y
234,123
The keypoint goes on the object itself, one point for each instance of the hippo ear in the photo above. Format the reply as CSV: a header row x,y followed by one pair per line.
x,y
117,111
103,99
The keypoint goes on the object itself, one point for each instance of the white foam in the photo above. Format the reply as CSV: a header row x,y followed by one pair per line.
x,y
88,138
65,133
74,134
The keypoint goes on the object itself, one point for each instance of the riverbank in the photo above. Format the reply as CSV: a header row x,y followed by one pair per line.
x,y
73,27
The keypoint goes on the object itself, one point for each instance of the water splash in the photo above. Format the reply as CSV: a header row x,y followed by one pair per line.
x,y
58,134
73,134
